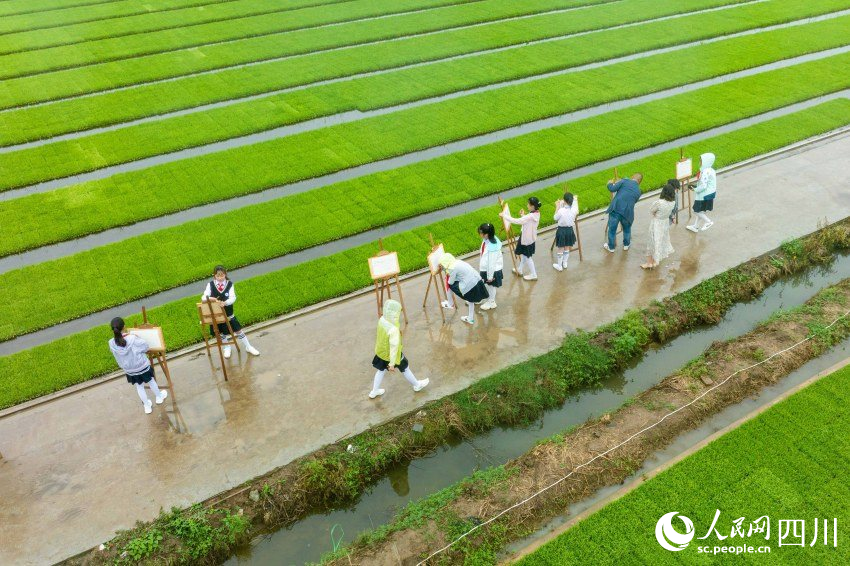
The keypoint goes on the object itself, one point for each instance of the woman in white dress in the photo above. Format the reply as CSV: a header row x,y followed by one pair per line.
x,y
659,227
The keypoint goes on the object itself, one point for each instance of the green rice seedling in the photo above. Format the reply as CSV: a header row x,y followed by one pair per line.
x,y
50,367
44,217
83,154
307,21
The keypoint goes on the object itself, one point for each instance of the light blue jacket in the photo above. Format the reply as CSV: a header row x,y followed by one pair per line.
x,y
706,188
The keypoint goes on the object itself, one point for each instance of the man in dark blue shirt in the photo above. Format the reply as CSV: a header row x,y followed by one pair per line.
x,y
624,194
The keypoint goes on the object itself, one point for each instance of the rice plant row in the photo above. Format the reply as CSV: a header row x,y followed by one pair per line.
x,y
64,214
71,157
37,122
50,367
18,7
283,28
190,23
38,296
64,16
786,464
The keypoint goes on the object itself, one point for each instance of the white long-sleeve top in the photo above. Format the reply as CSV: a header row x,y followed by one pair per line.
x,y
131,358
465,275
529,223
230,299
566,215
491,258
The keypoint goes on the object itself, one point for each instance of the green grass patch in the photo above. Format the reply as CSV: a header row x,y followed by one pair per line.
x,y
76,14
162,31
177,255
108,108
64,214
301,35
70,157
787,463
50,367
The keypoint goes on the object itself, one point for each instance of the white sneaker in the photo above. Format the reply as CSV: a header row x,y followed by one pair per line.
x,y
605,245
227,352
376,393
692,228
148,407
422,384
557,267
253,351
625,248
446,305
486,306
707,226
530,277
467,320
161,397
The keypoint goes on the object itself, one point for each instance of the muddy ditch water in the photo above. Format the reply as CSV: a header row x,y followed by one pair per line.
x,y
308,539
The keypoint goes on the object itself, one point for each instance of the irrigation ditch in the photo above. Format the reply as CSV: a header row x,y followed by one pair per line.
x,y
500,417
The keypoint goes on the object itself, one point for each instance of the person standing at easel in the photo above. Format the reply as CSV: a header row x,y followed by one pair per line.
x,y
130,353
220,289
621,211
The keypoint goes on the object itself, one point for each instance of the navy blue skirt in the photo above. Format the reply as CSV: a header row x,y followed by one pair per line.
x,y
703,205
527,251
497,278
474,295
381,364
565,237
143,377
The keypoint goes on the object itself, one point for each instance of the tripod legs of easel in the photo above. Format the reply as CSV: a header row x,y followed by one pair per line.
x,y
383,285
219,342
435,280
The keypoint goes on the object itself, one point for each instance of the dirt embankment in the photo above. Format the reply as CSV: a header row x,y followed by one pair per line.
x,y
476,500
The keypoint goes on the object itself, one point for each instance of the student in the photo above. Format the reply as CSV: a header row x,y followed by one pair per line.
x,y
388,350
130,353
624,195
528,236
566,212
465,282
704,193
659,227
491,264
221,289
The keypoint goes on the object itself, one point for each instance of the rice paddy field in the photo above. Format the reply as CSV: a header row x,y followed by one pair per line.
x,y
786,464
143,143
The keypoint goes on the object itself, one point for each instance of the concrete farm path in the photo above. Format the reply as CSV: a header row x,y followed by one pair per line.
x,y
78,468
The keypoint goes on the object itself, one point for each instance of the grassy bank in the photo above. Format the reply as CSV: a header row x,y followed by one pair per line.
x,y
188,92
786,463
70,157
428,525
51,367
518,394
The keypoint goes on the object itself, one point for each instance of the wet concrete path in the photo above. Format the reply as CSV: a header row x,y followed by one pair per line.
x,y
78,468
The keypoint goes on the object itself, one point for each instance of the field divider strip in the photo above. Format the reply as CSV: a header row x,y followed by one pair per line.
x,y
70,57
437,218
366,74
91,172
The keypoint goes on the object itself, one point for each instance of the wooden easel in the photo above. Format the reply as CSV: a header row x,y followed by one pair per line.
x,y
383,268
684,172
435,270
156,346
211,313
509,235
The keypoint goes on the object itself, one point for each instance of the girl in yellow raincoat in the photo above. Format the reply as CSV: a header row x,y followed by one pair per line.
x,y
388,350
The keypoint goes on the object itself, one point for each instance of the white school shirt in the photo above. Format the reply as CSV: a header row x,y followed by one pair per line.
x,y
566,216
230,299
465,275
